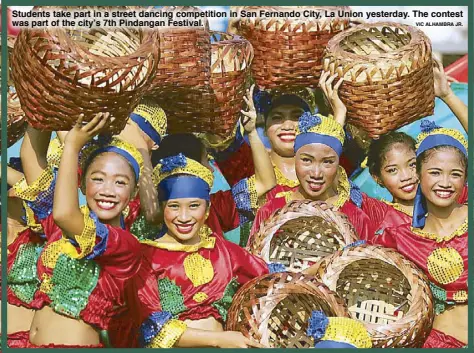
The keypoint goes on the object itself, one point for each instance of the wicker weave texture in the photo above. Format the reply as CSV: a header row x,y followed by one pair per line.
x,y
385,291
388,75
60,74
288,51
274,309
301,233
215,107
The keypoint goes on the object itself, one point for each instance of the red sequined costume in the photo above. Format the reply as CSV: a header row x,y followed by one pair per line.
x,y
181,282
83,279
443,259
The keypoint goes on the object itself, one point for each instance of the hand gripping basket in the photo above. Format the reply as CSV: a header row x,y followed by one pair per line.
x,y
214,108
301,233
385,291
16,122
274,309
60,74
288,51
388,75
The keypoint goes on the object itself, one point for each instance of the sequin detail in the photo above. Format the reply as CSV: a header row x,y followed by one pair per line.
x,y
198,269
445,265
242,196
206,242
174,165
222,305
46,284
169,334
460,296
399,208
152,326
343,329
276,267
39,195
144,229
343,189
460,231
22,277
73,282
199,297
171,297
51,252
283,180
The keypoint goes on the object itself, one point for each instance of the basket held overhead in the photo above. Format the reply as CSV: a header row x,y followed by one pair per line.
x,y
60,74
288,51
388,75
274,309
185,55
385,291
301,233
216,107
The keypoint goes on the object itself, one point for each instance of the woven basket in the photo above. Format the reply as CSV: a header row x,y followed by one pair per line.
x,y
274,309
216,107
388,75
16,122
60,74
288,51
385,291
300,234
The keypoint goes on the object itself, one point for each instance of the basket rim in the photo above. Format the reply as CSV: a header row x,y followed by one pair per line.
x,y
389,256
333,46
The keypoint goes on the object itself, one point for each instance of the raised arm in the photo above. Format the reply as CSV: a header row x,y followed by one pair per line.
x,y
149,205
265,178
13,176
445,93
33,151
331,95
66,212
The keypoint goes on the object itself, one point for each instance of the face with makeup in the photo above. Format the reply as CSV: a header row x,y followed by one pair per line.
x,y
184,217
398,172
316,167
109,185
281,124
442,176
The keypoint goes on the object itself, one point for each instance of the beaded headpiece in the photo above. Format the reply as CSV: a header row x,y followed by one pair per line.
x,y
55,150
432,136
266,100
181,177
151,119
337,332
112,144
319,129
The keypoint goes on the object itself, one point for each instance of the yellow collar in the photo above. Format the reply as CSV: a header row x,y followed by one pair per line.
x,y
399,207
343,189
281,179
457,233
206,242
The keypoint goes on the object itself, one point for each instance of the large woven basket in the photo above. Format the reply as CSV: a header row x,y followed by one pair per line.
x,y
60,74
288,51
388,75
274,309
385,291
216,107
300,234
185,56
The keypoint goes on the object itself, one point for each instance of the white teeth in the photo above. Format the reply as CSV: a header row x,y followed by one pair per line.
x,y
106,204
443,193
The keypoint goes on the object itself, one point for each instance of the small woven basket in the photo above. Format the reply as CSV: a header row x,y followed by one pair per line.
x,y
274,309
288,51
385,291
300,234
388,75
214,108
60,74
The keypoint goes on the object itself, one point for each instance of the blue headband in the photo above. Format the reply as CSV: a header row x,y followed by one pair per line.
x,y
333,344
146,127
123,153
183,186
436,140
312,137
